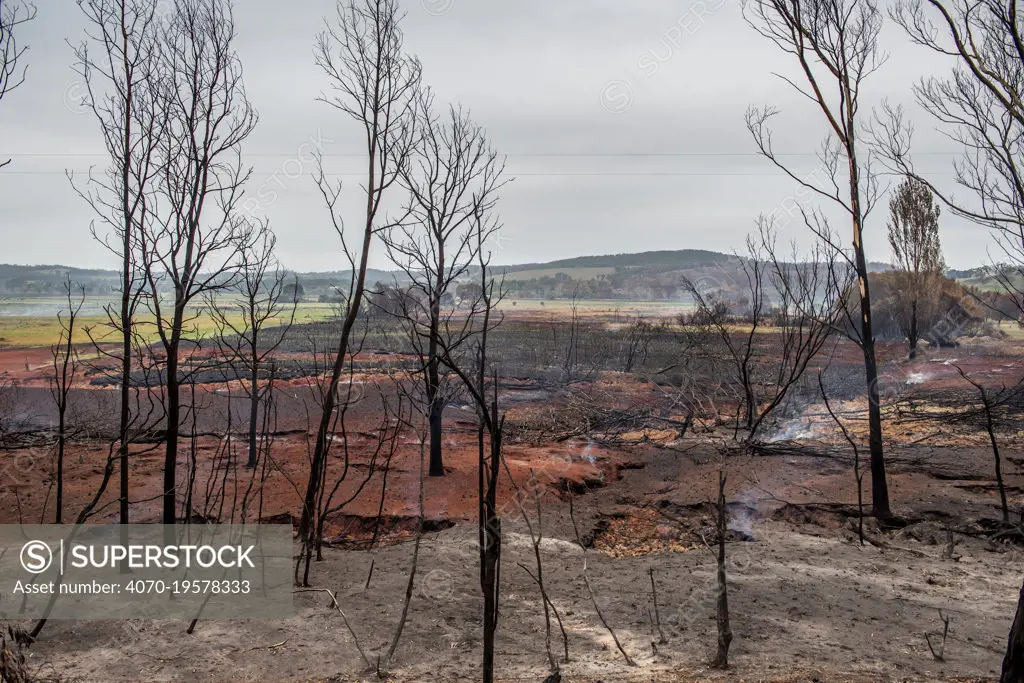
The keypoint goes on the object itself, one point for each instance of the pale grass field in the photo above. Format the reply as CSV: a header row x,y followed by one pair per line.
x,y
33,322
563,307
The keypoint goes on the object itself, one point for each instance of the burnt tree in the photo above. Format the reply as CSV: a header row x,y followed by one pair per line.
x,y
120,65
373,82
453,175
192,247
835,45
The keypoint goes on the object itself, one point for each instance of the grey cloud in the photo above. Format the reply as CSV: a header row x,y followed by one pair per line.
x,y
533,73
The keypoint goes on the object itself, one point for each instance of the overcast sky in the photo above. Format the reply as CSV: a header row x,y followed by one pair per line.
x,y
623,124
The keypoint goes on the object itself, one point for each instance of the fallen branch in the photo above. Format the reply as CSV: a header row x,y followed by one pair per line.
x,y
939,656
344,617
268,647
657,617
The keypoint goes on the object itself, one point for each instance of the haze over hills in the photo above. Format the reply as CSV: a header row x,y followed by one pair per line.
x,y
650,274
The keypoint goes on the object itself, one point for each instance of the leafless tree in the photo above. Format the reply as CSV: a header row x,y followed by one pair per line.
x,y
374,83
980,106
1013,661
572,342
65,371
857,471
453,176
148,371
636,346
982,103
721,660
120,64
13,13
791,305
481,381
192,248
835,43
990,403
377,456
917,253
536,538
266,314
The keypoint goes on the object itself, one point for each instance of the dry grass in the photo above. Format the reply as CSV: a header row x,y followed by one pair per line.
x,y
38,331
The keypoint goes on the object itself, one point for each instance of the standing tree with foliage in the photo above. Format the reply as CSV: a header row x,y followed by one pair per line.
x,y
916,252
835,43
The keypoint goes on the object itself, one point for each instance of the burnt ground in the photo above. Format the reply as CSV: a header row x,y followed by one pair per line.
x,y
808,601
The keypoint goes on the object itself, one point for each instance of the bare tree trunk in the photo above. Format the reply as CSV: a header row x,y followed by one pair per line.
x,y
434,398
65,368
912,335
435,416
373,82
490,547
990,427
124,418
749,400
254,411
988,403
842,37
722,615
318,466
879,481
127,284
122,78
173,419
1013,661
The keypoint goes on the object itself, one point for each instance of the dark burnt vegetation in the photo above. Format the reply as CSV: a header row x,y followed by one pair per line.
x,y
433,433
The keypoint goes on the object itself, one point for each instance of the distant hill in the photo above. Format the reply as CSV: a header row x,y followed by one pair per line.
x,y
644,259
49,279
647,275
990,278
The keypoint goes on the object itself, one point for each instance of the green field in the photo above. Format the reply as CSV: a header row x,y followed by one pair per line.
x,y
33,322
512,305
582,273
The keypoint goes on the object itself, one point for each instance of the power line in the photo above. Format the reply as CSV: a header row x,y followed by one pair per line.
x,y
278,155
697,174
